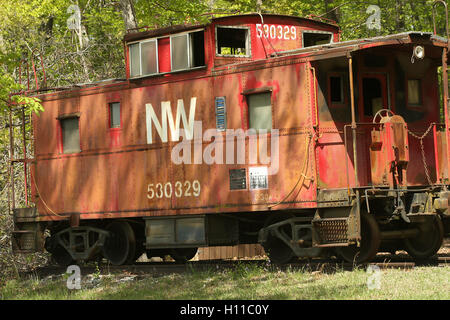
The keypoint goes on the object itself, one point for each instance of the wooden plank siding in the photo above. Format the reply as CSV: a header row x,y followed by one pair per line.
x,y
230,252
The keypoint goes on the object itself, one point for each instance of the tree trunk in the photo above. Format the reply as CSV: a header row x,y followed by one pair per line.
x,y
400,20
128,14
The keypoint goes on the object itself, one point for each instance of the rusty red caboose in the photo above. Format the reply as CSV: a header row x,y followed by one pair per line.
x,y
249,129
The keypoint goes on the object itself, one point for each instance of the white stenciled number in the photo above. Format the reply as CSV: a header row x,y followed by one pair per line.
x,y
150,191
259,32
286,33
168,190
266,31
187,188
196,187
180,189
279,32
159,190
293,33
271,31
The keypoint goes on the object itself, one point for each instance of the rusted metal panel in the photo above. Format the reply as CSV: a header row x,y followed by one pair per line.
x,y
389,152
440,154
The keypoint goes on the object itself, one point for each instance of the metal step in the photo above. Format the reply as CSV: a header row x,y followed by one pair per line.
x,y
24,241
330,232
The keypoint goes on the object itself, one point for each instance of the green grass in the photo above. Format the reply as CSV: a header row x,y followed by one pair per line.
x,y
246,281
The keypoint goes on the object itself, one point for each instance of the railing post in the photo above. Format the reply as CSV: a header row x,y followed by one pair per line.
x,y
446,16
11,158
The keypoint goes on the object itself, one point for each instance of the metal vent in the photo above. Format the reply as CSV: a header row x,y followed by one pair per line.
x,y
238,180
221,114
331,231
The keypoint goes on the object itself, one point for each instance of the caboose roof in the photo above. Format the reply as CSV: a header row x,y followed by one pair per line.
x,y
243,18
344,47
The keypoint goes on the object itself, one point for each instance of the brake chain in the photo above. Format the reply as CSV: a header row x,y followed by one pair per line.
x,y
420,138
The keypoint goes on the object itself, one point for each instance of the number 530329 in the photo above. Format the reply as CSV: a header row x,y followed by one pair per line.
x,y
179,189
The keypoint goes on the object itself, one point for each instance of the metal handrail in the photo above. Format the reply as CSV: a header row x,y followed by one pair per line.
x,y
446,16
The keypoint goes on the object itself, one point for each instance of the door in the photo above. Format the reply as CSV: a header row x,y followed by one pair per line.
x,y
374,95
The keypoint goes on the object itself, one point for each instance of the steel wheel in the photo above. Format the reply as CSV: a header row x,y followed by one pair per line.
x,y
429,240
370,242
120,246
61,256
182,255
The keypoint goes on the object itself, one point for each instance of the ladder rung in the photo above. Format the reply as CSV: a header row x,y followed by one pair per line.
x,y
22,160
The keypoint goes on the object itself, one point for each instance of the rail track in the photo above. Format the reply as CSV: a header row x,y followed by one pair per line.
x,y
383,261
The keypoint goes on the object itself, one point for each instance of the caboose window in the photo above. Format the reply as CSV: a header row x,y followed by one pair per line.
x,y
187,50
114,114
197,49
70,135
316,38
143,58
260,110
180,54
149,57
233,41
135,63
414,96
336,90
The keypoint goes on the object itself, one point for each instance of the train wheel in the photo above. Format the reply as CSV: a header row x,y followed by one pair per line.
x,y
278,251
61,256
370,242
429,240
182,255
120,246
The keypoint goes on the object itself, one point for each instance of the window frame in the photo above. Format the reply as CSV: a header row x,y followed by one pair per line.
x,y
188,45
155,40
60,120
251,92
248,41
110,115
413,105
170,47
344,101
187,34
316,32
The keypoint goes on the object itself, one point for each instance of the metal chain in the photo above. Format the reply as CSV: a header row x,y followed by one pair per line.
x,y
420,138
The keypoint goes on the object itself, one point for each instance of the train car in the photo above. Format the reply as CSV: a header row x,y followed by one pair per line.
x,y
253,128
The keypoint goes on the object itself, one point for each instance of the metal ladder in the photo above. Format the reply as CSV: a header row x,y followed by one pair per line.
x,y
24,239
